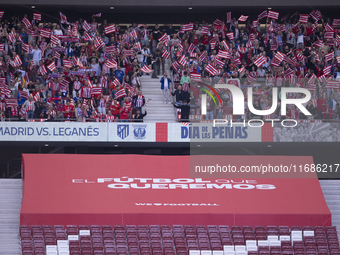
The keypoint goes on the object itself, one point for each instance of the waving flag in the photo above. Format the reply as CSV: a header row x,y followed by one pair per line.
x,y
338,59
202,56
279,56
45,32
54,39
303,18
111,63
205,30
120,93
230,36
260,61
263,15
251,78
317,43
1,47
300,56
332,84
225,45
87,37
134,34
63,18
175,65
67,63
187,27
191,48
86,26
316,15
219,62
182,60
329,56
37,16
110,29
1,14
243,18
329,35
138,46
273,15
165,54
17,61
223,54
51,66
329,28
96,91
327,70
12,37
98,15
336,22
195,77
98,43
255,23
146,69
42,70
211,69
312,79
26,22
110,49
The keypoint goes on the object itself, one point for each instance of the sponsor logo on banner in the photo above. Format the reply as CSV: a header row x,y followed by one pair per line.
x,y
123,131
139,131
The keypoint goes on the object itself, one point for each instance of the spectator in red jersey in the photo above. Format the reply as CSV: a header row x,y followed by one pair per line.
x,y
321,103
327,111
68,110
115,108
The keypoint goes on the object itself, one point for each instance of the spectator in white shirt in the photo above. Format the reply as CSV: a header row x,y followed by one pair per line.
x,y
261,72
36,55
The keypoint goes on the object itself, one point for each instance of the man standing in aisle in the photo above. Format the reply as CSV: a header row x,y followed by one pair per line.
x,y
165,86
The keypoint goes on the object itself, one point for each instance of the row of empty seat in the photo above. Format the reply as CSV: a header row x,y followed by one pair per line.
x,y
178,239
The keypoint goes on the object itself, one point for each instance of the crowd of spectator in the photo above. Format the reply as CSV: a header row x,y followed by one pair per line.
x,y
90,71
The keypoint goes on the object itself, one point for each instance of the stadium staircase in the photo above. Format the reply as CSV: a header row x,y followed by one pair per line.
x,y
331,192
10,204
11,199
157,111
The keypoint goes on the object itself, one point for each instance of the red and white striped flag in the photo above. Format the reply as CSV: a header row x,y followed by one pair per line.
x,y
212,45
96,91
205,30
338,59
116,82
120,93
300,56
138,46
275,62
263,15
243,18
17,61
12,37
1,14
25,47
332,84
182,60
54,39
146,69
219,62
329,56
193,55
312,79
191,48
237,61
202,56
279,56
67,63
327,70
323,79
329,28
228,17
23,94
303,18
36,97
51,66
98,43
255,23
86,26
287,73
225,45
195,77
45,32
175,65
336,22
273,15
211,69
164,38
110,29
87,37
134,35
37,16
26,22
282,28
329,35
223,54
75,61
187,27
128,53
316,15
42,70
57,55
165,54
98,15
251,78
1,47
217,22
111,63
110,49
74,32
63,18
318,43
230,36
241,70
260,61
